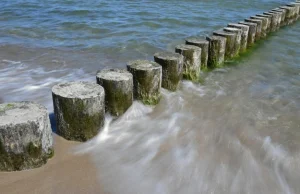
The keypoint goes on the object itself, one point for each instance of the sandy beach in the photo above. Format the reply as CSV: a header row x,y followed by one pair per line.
x,y
66,172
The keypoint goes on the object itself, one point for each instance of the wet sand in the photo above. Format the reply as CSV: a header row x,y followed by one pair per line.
x,y
64,173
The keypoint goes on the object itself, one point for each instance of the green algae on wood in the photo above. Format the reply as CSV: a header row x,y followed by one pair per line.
x,y
172,68
258,34
216,51
269,17
230,51
244,34
238,33
118,86
25,136
203,44
191,61
275,21
251,33
79,109
264,25
147,77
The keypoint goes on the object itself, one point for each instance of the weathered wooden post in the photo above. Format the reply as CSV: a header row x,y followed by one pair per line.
x,y
147,76
203,44
264,25
172,67
118,86
283,14
216,51
244,35
238,32
296,9
230,51
258,28
276,20
79,109
191,61
269,17
252,32
25,136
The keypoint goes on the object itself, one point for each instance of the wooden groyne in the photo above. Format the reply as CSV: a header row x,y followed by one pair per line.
x,y
79,107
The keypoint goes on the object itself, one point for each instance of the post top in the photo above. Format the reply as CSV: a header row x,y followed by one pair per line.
x,y
236,25
213,37
196,41
20,112
143,65
168,56
230,29
79,90
186,47
264,15
221,32
248,23
259,17
253,20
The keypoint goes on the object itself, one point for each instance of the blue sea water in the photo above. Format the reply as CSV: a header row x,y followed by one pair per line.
x,y
238,132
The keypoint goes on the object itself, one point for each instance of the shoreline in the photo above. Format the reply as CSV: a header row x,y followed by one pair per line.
x,y
64,173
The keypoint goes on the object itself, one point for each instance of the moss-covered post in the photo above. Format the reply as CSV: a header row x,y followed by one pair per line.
x,y
118,86
172,67
264,25
191,61
203,44
252,32
238,33
258,28
282,16
79,109
147,77
244,35
230,51
269,17
25,136
216,51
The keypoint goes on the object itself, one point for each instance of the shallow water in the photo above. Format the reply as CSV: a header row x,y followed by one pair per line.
x,y
239,132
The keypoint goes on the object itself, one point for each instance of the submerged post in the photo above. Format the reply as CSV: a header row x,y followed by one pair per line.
x,y
252,32
147,77
25,136
172,66
216,51
191,61
258,27
79,109
203,44
244,35
231,38
118,86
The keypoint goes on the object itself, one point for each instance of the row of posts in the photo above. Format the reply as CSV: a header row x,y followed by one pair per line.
x,y
143,79
80,107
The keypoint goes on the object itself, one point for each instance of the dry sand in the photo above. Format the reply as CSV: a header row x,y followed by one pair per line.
x,y
64,173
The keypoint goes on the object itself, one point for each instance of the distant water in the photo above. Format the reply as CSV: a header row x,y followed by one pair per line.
x,y
49,41
239,132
